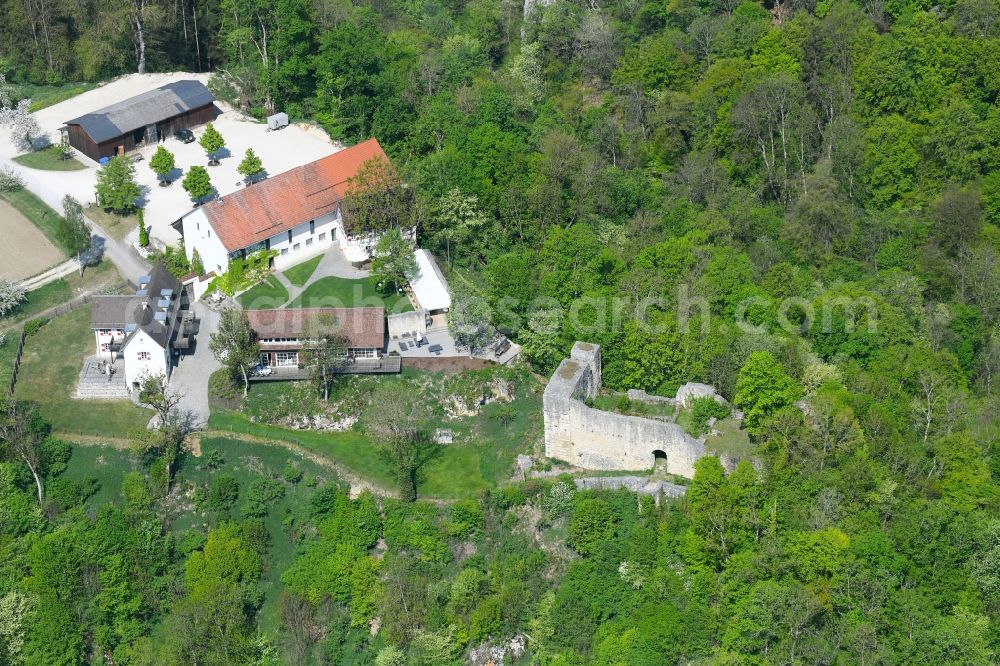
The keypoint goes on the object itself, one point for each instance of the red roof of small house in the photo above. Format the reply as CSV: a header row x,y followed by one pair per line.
x,y
282,202
363,327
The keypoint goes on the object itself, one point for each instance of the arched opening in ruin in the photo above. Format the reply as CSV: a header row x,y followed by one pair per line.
x,y
659,462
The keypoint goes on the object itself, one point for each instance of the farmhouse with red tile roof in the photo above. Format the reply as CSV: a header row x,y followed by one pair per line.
x,y
295,213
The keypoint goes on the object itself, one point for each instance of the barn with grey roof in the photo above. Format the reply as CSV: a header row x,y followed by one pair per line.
x,y
142,120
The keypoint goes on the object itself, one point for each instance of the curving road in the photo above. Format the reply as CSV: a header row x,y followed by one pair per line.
x,y
52,186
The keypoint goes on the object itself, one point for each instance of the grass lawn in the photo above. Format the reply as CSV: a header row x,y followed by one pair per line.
x,y
300,274
454,472
481,457
117,226
47,95
685,419
48,159
731,439
106,464
50,367
37,212
334,292
622,405
61,291
268,294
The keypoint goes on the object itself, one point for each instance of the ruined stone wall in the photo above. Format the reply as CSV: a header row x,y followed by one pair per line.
x,y
594,439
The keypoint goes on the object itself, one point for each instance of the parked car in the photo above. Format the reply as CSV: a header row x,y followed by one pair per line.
x,y
184,135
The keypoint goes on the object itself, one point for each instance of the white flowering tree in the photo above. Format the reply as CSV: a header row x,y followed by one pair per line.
x,y
10,181
17,117
11,295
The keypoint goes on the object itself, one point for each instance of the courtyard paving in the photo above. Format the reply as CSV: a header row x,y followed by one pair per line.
x,y
96,384
441,337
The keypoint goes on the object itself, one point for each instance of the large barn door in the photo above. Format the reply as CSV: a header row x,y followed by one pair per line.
x,y
151,135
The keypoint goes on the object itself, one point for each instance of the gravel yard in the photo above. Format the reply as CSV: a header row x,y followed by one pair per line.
x,y
279,151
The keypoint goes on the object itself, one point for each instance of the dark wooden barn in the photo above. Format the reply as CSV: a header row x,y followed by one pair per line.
x,y
142,120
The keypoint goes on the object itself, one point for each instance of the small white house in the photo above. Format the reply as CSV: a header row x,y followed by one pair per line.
x,y
142,329
296,213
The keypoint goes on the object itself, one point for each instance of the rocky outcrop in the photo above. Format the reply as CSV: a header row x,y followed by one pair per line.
x,y
691,391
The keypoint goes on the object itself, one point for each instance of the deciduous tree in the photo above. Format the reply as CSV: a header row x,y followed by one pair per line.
x,y
162,163
377,200
393,263
325,351
116,187
22,433
251,166
762,388
73,232
12,293
235,345
212,142
172,426
399,423
456,218
197,183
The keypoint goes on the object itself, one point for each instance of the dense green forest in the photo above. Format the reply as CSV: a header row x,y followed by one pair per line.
x,y
802,202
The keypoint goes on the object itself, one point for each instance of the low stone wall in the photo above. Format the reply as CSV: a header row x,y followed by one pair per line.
x,y
405,323
449,364
595,439
638,395
637,484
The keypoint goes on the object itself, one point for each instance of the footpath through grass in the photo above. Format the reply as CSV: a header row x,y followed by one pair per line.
x,y
50,368
300,274
335,292
484,444
268,294
49,159
62,291
453,472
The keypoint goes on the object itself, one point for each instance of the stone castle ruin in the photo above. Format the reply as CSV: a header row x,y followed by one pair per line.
x,y
593,439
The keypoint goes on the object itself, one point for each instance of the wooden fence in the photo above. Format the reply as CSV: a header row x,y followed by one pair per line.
x,y
55,311
17,365
81,300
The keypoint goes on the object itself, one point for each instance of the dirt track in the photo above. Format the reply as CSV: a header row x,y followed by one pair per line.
x,y
31,252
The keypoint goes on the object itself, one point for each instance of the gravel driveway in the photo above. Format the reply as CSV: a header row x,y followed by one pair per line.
x,y
190,377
